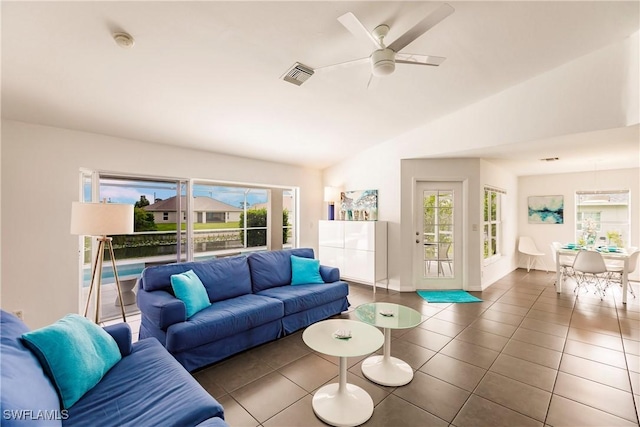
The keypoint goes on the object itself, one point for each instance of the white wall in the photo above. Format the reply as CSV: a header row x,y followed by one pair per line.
x,y
593,92
466,171
497,177
476,174
633,71
374,170
40,179
566,185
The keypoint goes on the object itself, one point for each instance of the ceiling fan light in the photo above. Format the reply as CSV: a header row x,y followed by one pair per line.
x,y
383,62
383,68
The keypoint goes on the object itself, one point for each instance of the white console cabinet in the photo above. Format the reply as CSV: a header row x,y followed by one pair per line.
x,y
357,248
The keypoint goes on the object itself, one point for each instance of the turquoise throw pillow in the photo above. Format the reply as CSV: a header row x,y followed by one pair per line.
x,y
189,289
75,353
305,271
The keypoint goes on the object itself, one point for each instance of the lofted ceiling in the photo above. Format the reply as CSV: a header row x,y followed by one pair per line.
x,y
207,74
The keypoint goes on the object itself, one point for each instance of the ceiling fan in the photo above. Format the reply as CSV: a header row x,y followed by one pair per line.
x,y
384,58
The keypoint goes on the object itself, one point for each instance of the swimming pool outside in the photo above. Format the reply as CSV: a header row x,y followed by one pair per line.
x,y
131,269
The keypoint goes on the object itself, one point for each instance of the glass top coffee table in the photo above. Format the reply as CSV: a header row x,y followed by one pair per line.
x,y
342,404
387,370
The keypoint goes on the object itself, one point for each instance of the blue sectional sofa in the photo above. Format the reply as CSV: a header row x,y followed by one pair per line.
x,y
252,302
147,387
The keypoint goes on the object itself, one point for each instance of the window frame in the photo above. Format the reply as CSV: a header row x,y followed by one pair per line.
x,y
492,225
587,207
90,182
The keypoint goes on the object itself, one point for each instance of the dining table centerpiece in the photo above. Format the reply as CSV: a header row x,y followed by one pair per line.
x,y
589,231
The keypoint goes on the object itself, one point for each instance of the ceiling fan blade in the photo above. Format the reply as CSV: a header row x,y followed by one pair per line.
x,y
342,65
373,82
356,28
422,27
411,58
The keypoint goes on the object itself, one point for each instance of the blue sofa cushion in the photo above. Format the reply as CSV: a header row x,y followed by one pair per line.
x,y
223,278
273,268
222,319
304,297
213,422
23,383
189,289
305,271
147,388
75,352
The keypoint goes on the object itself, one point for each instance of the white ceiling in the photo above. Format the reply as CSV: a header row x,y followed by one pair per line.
x,y
206,75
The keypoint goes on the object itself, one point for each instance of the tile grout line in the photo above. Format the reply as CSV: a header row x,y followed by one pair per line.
x,y
494,361
626,361
564,346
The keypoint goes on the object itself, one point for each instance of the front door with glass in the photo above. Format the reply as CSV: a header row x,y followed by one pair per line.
x,y
438,236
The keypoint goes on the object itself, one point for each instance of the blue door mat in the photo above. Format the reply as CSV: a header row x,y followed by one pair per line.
x,y
448,296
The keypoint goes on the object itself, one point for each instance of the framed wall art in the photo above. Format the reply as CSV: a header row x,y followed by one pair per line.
x,y
546,209
359,205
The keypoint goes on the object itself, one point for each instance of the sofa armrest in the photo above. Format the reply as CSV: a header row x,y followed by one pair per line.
x,y
213,422
329,274
161,308
121,333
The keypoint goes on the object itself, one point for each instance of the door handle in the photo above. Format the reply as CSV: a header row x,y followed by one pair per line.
x,y
417,241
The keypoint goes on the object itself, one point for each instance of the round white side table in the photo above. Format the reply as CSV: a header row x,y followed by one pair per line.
x,y
387,370
342,404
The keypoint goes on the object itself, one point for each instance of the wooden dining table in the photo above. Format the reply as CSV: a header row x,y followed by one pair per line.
x,y
619,255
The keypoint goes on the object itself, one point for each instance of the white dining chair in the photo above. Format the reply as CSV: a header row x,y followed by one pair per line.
x,y
616,269
528,248
565,263
589,267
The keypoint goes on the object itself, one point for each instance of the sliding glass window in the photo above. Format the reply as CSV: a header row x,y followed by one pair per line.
x,y
176,220
229,219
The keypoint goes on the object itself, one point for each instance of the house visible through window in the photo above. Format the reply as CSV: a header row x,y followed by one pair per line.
x,y
216,216
234,218
603,218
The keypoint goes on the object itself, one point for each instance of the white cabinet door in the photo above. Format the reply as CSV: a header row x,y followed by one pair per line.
x,y
331,233
359,265
357,248
359,235
331,257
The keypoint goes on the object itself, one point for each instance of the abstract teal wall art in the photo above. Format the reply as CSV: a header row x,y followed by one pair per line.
x,y
359,205
546,209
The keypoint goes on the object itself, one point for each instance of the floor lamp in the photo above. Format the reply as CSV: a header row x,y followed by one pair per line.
x,y
100,220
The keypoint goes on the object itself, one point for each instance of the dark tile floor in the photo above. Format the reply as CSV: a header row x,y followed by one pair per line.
x,y
525,356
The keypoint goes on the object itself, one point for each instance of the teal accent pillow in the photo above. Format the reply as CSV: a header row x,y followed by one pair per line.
x,y
75,353
305,271
189,289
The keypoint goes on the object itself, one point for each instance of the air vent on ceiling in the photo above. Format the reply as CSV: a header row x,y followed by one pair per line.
x,y
298,74
549,159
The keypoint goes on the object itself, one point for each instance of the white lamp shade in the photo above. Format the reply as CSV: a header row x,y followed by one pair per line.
x,y
331,194
101,219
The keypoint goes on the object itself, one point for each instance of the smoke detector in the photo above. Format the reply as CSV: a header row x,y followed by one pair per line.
x,y
298,74
124,40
